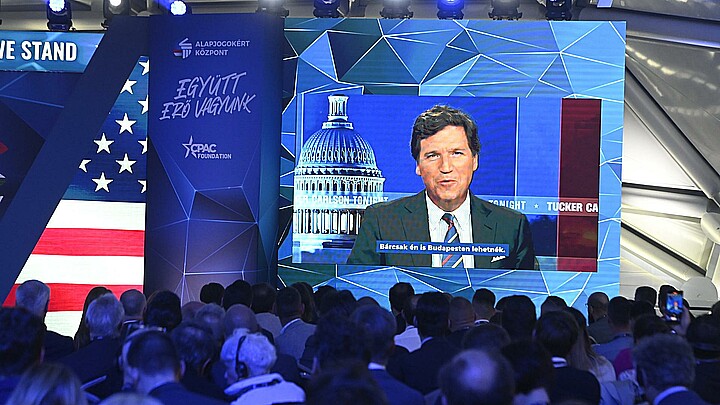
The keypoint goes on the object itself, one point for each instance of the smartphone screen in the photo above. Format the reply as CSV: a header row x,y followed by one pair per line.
x,y
674,306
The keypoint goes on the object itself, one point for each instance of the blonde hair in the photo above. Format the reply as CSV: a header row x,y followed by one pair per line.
x,y
48,383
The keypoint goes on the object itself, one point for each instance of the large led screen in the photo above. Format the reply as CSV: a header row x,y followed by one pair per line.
x,y
547,98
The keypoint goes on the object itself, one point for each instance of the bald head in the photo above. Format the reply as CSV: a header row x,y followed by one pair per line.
x,y
240,316
477,377
598,304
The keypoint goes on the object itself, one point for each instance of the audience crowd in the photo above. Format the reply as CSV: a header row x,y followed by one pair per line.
x,y
253,344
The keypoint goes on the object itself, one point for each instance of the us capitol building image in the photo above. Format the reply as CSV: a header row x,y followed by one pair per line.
x,y
336,178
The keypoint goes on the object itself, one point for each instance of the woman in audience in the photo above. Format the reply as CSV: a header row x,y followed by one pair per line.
x,y
308,299
82,336
582,355
48,383
533,370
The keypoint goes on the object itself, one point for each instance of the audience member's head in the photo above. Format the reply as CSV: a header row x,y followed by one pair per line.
x,y
640,308
703,334
461,314
104,316
340,302
518,317
475,377
378,328
350,384
398,294
247,355
190,309
582,351
152,360
663,361
212,293
597,304
483,302
338,341
34,296
21,340
82,336
309,314
619,313
557,332
486,336
532,366
647,294
648,325
409,307
195,345
133,302
552,303
431,314
163,310
288,304
320,294
212,316
48,384
239,292
367,300
263,298
239,316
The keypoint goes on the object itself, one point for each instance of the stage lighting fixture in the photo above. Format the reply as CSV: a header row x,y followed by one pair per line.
x,y
396,9
111,8
178,7
505,10
450,9
558,10
59,15
274,7
326,8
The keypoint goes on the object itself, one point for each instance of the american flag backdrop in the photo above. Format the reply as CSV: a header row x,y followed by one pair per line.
x,y
96,234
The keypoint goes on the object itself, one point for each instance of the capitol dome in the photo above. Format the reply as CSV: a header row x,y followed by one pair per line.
x,y
336,178
337,148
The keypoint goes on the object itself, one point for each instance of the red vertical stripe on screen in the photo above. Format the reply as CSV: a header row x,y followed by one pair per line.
x,y
579,179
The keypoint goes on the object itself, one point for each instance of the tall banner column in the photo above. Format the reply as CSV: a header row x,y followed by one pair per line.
x,y
213,155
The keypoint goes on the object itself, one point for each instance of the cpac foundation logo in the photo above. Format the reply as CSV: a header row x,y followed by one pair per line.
x,y
184,49
204,151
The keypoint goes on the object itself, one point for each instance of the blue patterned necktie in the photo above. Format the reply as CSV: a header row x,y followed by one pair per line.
x,y
451,237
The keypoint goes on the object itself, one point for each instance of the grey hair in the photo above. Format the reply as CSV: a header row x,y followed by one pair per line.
x,y
104,316
34,296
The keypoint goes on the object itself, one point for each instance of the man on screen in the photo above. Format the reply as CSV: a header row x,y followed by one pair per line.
x,y
445,147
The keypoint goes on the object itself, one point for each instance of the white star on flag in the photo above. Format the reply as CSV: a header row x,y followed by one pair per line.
x,y
102,183
83,165
144,145
128,86
126,164
143,183
146,67
125,124
144,104
103,144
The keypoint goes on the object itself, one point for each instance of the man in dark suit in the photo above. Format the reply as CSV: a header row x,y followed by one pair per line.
x,y
445,147
378,326
665,368
153,368
34,296
419,369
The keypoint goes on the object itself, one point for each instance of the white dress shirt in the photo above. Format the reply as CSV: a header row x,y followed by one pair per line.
x,y
438,228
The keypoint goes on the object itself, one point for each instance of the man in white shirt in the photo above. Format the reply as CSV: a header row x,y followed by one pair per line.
x,y
445,147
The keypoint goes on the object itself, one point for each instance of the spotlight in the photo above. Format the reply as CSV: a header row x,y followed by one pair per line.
x,y
558,10
450,9
59,15
111,8
396,9
274,7
174,7
326,8
505,10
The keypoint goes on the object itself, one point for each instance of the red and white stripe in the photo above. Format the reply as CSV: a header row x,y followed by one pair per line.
x,y
86,244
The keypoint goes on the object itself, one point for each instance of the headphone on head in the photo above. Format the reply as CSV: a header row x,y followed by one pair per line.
x,y
241,369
